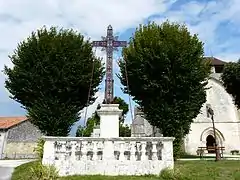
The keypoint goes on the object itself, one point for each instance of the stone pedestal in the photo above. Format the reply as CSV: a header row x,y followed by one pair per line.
x,y
109,120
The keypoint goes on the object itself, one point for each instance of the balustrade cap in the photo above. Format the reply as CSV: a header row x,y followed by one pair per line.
x,y
109,109
139,139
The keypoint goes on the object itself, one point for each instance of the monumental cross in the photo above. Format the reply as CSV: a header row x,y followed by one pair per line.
x,y
109,44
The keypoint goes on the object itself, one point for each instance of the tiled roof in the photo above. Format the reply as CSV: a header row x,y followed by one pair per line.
x,y
8,122
215,61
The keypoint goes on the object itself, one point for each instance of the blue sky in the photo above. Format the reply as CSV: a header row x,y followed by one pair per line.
x,y
216,22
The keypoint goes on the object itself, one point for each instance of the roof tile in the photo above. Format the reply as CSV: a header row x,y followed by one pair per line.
x,y
8,122
215,61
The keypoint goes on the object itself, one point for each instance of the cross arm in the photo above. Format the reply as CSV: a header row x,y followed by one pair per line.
x,y
99,43
119,43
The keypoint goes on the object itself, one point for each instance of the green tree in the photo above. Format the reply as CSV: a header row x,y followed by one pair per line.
x,y
124,130
51,76
123,106
167,76
231,80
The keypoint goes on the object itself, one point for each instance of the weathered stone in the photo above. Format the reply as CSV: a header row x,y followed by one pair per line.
x,y
109,156
141,127
109,120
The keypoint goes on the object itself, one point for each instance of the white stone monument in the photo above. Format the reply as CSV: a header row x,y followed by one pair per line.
x,y
109,154
109,120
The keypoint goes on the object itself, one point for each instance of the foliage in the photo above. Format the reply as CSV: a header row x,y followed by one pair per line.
x,y
90,124
169,174
35,170
124,130
167,76
231,80
51,78
123,106
42,172
39,149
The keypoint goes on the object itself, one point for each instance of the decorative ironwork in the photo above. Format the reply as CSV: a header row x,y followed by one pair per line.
x,y
109,44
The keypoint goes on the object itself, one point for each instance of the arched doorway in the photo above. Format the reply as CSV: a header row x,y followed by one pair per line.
x,y
210,143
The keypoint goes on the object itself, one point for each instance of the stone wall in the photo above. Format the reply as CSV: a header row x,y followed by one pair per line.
x,y
21,141
3,136
109,156
24,132
19,150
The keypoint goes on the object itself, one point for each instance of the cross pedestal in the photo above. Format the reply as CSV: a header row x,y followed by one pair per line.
x,y
109,120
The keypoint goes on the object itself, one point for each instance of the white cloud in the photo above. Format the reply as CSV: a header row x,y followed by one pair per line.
x,y
19,18
205,19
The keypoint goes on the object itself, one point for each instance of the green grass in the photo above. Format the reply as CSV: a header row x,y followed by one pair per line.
x,y
184,170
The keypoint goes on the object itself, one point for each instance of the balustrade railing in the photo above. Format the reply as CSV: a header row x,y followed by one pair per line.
x,y
136,154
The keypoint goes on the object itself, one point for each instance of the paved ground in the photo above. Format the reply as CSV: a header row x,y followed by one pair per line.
x,y
5,173
7,167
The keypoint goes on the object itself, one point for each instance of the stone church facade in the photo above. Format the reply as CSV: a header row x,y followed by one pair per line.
x,y
226,117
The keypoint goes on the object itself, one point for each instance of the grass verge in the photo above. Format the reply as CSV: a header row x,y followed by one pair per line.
x,y
184,170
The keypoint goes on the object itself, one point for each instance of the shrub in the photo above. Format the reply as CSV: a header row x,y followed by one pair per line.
x,y
42,172
39,148
170,174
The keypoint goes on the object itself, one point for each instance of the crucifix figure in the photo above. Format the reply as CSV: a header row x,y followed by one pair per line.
x,y
109,44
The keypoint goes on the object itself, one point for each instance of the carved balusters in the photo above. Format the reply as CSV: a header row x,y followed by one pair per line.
x,y
99,150
95,151
133,151
121,151
143,151
138,151
84,150
73,150
154,151
100,147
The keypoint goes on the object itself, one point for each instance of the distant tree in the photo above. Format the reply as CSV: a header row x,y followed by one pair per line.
x,y
231,80
51,77
90,124
123,106
124,130
167,76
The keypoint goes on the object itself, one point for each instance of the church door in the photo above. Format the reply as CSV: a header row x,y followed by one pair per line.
x,y
210,143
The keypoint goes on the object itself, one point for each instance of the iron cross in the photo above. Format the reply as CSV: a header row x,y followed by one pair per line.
x,y
109,44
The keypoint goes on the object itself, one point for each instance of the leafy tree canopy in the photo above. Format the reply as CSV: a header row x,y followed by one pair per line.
x,y
231,80
167,76
92,122
51,77
123,106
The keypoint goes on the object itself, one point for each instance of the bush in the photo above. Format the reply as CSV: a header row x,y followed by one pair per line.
x,y
42,172
35,171
169,174
39,148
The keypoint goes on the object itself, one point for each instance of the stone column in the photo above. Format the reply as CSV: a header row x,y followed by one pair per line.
x,y
48,153
109,120
167,152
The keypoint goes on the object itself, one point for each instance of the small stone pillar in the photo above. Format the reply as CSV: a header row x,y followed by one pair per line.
x,y
109,120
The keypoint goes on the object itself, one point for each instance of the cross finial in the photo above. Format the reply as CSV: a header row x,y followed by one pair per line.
x,y
109,27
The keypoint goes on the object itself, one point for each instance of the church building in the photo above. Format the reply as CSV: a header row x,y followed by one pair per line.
x,y
226,118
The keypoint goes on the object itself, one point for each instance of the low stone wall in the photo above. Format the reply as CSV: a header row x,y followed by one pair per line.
x,y
19,150
109,156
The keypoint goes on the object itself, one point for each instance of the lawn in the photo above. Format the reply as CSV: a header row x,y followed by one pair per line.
x,y
184,170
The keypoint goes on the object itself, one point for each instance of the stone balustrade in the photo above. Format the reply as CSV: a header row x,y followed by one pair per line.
x,y
108,156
